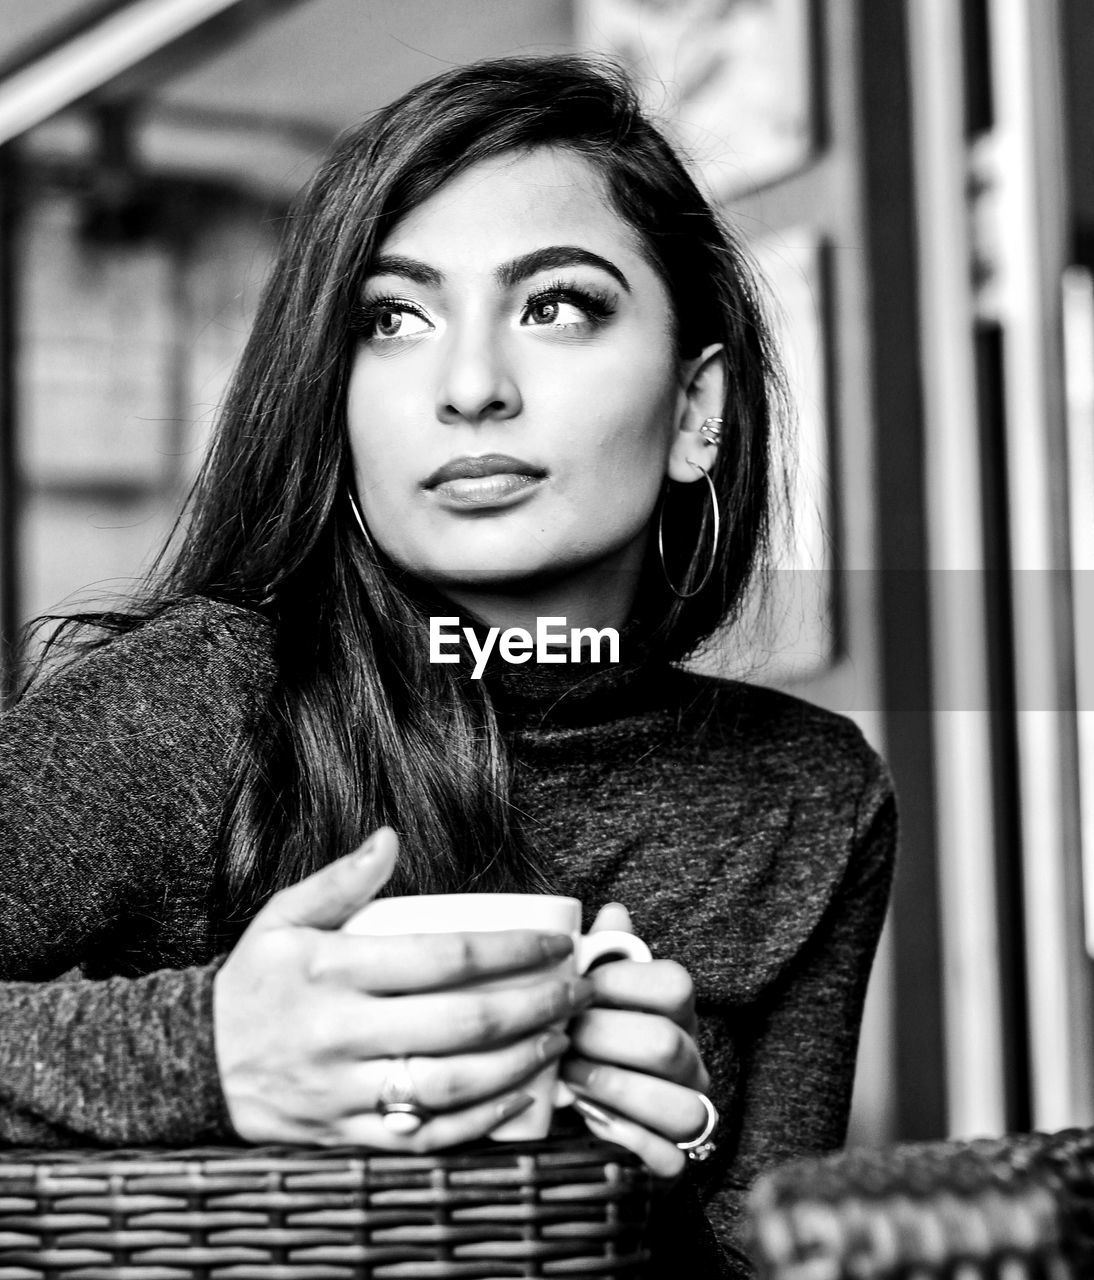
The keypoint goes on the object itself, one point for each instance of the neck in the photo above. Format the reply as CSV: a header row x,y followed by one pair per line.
x,y
599,601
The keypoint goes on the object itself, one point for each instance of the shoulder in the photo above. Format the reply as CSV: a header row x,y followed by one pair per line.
x,y
788,747
791,820
199,667
114,772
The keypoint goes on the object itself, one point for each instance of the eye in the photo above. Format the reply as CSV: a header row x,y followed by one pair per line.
x,y
565,307
389,318
555,312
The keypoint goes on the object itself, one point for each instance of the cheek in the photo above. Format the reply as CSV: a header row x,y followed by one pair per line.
x,y
374,437
635,437
619,479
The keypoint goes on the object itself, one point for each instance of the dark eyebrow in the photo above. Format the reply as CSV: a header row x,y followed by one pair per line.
x,y
394,264
550,258
553,257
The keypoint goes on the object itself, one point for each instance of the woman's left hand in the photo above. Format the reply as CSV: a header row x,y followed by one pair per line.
x,y
635,1057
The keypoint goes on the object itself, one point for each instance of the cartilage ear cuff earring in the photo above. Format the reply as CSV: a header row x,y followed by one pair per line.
x,y
711,430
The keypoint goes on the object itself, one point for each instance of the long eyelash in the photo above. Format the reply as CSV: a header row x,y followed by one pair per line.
x,y
598,303
362,315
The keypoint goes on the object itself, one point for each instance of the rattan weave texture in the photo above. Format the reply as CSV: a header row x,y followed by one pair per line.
x,y
573,1207
1013,1208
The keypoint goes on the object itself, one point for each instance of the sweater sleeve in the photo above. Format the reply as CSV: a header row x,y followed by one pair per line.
x,y
113,775
786,1065
122,1062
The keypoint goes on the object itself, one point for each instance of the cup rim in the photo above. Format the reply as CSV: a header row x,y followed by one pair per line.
x,y
480,912
459,897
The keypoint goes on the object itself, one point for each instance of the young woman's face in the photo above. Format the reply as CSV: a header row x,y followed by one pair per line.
x,y
515,400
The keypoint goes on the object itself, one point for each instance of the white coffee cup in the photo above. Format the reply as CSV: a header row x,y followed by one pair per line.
x,y
485,913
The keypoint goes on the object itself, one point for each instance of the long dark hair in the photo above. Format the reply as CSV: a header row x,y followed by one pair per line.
x,y
361,728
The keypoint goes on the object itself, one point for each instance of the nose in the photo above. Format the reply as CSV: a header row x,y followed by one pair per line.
x,y
477,383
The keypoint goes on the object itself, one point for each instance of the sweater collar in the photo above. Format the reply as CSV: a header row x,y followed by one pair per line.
x,y
543,694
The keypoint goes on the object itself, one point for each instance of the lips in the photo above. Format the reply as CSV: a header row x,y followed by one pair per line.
x,y
490,481
487,464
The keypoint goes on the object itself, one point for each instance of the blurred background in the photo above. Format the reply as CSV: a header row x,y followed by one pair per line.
x,y
915,179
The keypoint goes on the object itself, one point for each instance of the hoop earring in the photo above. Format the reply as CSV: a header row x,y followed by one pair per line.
x,y
686,595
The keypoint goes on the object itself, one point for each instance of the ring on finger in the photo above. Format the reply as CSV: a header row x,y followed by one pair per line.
x,y
701,1147
398,1106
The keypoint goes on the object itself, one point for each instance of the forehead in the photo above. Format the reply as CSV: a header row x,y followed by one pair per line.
x,y
504,206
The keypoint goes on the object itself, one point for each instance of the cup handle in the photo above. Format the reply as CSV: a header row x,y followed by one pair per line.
x,y
614,944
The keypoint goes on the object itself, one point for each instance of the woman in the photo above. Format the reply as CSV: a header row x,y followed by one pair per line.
x,y
509,367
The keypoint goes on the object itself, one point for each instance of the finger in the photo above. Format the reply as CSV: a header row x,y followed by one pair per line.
x,y
662,1157
367,1129
659,986
613,916
458,1021
423,962
451,1129
330,896
669,1109
645,1042
461,1080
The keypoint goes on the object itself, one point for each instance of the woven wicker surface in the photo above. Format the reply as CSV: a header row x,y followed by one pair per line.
x,y
572,1208
1014,1207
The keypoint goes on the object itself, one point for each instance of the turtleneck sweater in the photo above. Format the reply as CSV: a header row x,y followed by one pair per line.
x,y
750,834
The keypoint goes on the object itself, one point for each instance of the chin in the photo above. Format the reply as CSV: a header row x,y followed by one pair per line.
x,y
499,577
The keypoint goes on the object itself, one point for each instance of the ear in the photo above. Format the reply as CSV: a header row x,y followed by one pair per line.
x,y
702,395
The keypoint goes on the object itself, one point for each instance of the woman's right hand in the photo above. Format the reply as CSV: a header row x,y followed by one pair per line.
x,y
307,1017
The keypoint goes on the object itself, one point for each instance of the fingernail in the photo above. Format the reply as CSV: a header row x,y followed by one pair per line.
x,y
580,993
556,945
513,1105
592,1112
550,1045
368,849
581,1074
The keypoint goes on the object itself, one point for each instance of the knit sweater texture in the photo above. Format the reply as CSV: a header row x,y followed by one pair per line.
x,y
750,834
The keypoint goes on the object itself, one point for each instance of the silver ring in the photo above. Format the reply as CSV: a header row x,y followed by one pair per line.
x,y
399,1109
711,430
701,1147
